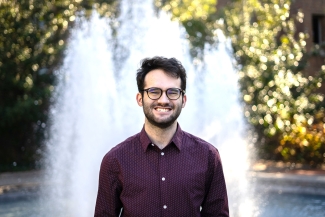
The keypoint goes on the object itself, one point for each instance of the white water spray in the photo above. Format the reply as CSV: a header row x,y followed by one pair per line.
x,y
96,109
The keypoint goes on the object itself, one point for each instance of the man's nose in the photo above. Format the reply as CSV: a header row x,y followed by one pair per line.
x,y
163,98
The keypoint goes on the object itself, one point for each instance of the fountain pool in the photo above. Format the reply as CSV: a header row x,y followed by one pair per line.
x,y
275,205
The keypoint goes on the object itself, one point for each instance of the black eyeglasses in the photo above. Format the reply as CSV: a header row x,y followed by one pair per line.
x,y
155,93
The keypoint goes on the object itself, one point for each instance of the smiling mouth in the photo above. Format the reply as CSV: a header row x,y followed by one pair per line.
x,y
162,109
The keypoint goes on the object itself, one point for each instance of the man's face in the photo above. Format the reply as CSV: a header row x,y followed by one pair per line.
x,y
161,112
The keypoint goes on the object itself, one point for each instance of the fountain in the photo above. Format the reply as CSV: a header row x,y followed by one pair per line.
x,y
95,106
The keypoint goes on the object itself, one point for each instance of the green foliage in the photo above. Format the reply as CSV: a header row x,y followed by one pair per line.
x,y
33,36
282,104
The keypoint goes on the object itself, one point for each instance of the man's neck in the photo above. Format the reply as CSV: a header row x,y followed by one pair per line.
x,y
160,137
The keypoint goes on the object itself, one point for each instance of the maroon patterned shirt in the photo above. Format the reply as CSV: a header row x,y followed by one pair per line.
x,y
184,179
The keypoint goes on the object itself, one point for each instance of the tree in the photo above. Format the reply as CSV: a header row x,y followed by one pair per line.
x,y
283,105
33,37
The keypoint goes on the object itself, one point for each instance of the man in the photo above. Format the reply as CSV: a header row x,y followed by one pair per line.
x,y
162,171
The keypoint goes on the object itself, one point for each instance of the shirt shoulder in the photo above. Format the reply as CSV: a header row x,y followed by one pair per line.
x,y
127,146
196,142
124,150
193,143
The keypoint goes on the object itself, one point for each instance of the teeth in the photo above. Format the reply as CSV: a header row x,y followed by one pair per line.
x,y
162,110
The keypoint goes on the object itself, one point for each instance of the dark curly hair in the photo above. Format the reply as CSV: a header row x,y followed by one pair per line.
x,y
171,66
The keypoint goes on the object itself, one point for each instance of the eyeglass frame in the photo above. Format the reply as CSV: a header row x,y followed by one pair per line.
x,y
162,91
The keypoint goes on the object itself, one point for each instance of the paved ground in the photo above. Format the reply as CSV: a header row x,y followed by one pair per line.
x,y
288,178
20,184
268,176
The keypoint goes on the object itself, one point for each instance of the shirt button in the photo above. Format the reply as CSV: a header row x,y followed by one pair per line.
x,y
162,153
152,144
165,207
163,178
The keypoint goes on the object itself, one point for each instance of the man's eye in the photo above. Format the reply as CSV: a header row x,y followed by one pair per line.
x,y
154,91
173,92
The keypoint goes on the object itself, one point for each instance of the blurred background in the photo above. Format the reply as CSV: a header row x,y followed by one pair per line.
x,y
277,50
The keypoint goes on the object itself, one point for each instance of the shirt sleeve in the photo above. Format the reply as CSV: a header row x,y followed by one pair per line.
x,y
216,200
108,203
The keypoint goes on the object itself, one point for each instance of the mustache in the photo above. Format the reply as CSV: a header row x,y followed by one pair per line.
x,y
168,105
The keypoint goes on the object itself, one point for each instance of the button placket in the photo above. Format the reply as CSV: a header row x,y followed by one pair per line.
x,y
163,180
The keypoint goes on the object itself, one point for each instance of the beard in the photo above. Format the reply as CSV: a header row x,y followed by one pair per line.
x,y
161,123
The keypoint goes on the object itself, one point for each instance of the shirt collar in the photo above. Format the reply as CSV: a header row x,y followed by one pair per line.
x,y
177,138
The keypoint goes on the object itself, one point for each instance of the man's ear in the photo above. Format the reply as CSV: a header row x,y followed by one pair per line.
x,y
184,101
139,99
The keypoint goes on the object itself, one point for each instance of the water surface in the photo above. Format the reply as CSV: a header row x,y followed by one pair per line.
x,y
274,205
